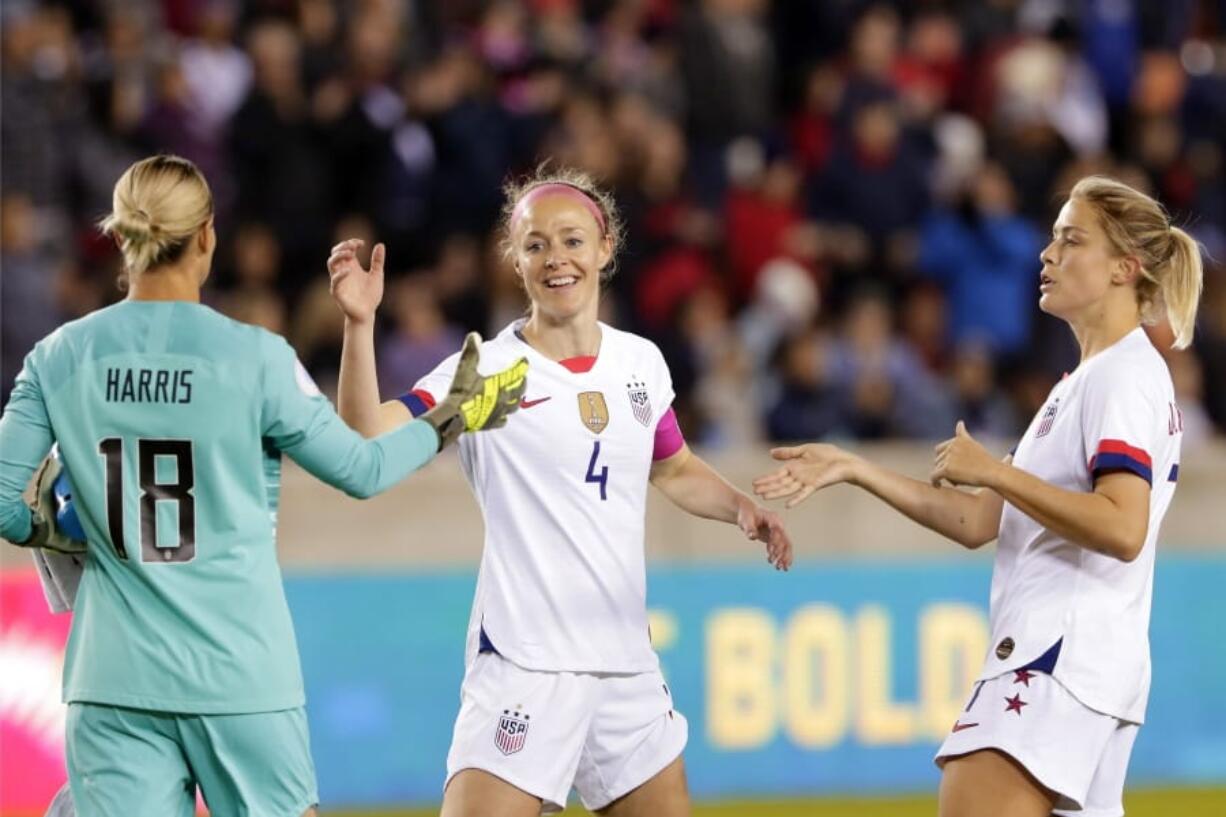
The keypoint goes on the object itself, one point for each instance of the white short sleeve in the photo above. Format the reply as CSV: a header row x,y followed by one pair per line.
x,y
1121,422
427,391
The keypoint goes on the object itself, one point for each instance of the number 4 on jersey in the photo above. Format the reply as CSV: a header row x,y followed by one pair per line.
x,y
151,493
602,479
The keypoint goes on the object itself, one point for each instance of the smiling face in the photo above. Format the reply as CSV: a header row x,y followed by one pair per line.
x,y
559,251
1080,268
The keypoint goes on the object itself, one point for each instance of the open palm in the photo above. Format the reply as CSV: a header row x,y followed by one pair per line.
x,y
807,468
356,291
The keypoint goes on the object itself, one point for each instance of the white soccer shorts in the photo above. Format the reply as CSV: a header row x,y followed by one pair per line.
x,y
1079,754
545,732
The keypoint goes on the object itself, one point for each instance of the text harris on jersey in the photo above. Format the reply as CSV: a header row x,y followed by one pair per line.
x,y
148,385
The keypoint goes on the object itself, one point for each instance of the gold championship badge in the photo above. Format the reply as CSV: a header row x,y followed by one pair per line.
x,y
593,411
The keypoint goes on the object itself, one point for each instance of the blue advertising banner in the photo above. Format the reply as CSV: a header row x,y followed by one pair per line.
x,y
836,677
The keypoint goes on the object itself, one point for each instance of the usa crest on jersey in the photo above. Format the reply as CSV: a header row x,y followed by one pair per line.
x,y
511,733
640,402
1049,417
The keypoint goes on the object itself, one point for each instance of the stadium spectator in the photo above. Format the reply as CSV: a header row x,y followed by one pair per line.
x,y
280,157
808,406
883,388
874,183
978,401
983,254
421,337
729,71
30,308
764,220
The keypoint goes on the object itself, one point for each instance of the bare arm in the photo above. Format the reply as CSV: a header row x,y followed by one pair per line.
x,y
1113,519
695,487
358,391
971,519
358,293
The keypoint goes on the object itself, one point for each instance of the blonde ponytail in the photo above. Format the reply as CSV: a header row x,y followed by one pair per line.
x,y
1171,266
1182,282
158,204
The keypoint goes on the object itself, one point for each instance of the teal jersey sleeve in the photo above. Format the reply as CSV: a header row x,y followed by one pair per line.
x,y
299,421
25,438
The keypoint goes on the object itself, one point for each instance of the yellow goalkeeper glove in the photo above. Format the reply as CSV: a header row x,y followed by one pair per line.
x,y
477,402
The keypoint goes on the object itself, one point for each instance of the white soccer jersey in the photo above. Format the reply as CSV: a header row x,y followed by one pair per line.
x,y
1116,411
563,490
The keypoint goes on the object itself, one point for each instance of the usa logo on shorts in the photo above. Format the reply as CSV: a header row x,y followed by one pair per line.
x,y
511,733
640,403
1049,417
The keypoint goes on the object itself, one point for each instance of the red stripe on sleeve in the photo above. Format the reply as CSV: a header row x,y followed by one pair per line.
x,y
1121,447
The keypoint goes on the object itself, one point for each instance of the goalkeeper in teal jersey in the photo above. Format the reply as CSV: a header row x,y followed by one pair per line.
x,y
181,668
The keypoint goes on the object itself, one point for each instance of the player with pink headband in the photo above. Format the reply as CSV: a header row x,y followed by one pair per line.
x,y
556,189
562,687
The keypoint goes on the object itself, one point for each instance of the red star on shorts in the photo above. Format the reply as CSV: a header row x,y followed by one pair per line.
x,y
1015,704
1022,676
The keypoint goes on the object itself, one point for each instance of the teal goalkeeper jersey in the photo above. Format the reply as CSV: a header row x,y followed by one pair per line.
x,y
171,420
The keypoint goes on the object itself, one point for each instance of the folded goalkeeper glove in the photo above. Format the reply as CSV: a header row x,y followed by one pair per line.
x,y
45,532
477,402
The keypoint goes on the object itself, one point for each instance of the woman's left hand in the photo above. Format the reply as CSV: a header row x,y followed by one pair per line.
x,y
961,460
759,524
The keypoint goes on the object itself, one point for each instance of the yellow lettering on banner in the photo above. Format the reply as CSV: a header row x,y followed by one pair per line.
x,y
741,707
815,677
662,625
879,721
953,639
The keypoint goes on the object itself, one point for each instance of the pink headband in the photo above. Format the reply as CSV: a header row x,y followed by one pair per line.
x,y
559,189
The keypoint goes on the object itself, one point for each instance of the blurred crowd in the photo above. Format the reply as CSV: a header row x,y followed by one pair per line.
x,y
835,208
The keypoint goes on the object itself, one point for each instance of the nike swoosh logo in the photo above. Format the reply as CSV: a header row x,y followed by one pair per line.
x,y
958,727
526,404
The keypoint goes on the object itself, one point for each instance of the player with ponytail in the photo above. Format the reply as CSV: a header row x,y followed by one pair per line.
x,y
181,669
1075,510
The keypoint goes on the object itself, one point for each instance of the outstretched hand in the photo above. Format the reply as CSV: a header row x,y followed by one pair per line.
x,y
961,460
761,525
356,291
808,469
487,401
477,402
